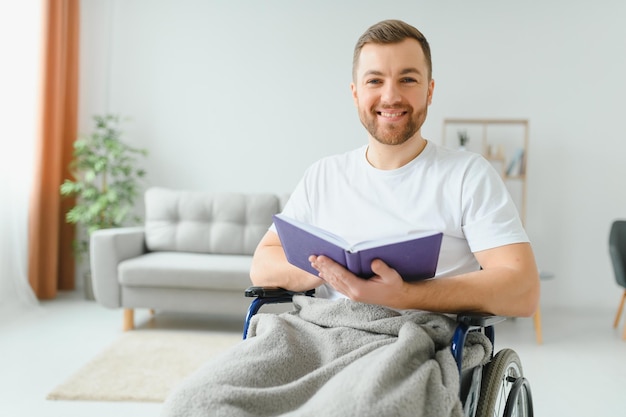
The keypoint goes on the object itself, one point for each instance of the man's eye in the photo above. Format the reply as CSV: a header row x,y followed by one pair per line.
x,y
408,80
373,81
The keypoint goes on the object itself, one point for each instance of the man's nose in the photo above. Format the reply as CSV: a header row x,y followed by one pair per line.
x,y
390,94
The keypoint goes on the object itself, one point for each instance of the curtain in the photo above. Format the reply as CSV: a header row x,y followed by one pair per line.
x,y
20,43
50,258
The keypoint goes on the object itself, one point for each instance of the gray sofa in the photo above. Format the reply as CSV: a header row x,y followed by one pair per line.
x,y
192,255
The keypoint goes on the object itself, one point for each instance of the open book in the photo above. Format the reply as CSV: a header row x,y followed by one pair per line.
x,y
413,256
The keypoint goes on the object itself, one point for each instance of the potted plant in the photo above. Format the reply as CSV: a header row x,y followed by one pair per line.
x,y
106,183
463,139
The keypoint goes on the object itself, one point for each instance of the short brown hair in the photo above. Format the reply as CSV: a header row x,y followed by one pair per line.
x,y
391,31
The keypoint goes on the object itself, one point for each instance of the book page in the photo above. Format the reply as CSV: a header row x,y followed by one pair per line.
x,y
317,231
368,244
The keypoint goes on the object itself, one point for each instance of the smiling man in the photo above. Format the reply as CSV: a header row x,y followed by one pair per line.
x,y
399,183
329,356
392,95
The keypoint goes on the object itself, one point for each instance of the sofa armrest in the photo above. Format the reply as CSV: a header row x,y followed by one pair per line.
x,y
109,247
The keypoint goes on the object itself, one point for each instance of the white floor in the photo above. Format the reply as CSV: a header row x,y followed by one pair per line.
x,y
579,370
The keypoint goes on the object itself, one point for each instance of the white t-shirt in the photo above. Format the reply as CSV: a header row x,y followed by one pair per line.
x,y
455,192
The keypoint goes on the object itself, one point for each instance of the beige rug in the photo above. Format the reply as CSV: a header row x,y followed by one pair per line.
x,y
143,365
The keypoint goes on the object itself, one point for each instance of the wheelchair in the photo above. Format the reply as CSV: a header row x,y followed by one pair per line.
x,y
497,389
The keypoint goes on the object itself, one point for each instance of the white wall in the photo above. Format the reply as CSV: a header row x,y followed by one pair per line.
x,y
243,95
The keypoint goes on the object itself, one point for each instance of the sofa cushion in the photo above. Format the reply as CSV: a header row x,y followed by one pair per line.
x,y
202,222
187,270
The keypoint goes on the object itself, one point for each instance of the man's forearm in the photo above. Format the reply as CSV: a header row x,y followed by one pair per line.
x,y
270,268
498,291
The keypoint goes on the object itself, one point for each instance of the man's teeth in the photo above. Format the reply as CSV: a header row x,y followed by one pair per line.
x,y
390,114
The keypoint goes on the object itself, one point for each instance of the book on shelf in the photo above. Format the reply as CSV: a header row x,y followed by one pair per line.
x,y
413,255
516,166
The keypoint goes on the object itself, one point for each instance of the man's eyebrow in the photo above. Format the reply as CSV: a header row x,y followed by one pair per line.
x,y
405,71
372,72
410,71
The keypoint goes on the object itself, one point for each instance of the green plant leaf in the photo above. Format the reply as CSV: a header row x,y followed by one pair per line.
x,y
107,179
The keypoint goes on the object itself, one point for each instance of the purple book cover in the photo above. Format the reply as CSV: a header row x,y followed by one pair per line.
x,y
414,257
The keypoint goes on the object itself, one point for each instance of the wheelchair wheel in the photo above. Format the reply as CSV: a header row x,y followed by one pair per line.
x,y
504,390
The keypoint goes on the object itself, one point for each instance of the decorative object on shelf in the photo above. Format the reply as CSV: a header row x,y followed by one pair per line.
x,y
516,165
106,183
463,139
495,152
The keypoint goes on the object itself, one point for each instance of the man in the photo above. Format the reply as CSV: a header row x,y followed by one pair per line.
x,y
401,182
360,348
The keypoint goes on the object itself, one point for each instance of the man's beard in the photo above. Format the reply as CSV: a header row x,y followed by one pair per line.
x,y
392,133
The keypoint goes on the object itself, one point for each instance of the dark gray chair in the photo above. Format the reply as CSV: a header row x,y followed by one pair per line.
x,y
617,249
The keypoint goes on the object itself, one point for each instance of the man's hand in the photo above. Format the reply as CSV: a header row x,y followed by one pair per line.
x,y
382,289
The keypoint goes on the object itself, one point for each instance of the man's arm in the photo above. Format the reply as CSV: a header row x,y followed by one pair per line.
x,y
508,285
270,267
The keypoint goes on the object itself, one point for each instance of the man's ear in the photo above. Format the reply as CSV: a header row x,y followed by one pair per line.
x,y
354,94
431,88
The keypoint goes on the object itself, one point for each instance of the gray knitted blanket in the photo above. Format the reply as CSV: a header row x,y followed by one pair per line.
x,y
333,358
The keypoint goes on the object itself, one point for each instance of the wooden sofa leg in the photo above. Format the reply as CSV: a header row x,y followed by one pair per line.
x,y
129,319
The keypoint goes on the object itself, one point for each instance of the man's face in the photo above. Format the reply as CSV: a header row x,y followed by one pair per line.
x,y
392,90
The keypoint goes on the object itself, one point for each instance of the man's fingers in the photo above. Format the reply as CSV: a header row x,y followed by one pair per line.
x,y
380,268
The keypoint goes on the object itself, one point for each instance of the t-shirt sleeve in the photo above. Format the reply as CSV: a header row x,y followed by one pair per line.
x,y
490,218
298,206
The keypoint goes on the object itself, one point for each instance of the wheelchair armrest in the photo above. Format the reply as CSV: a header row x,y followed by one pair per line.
x,y
467,322
268,295
274,292
479,320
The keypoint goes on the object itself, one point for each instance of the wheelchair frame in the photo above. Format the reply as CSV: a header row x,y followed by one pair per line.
x,y
506,392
